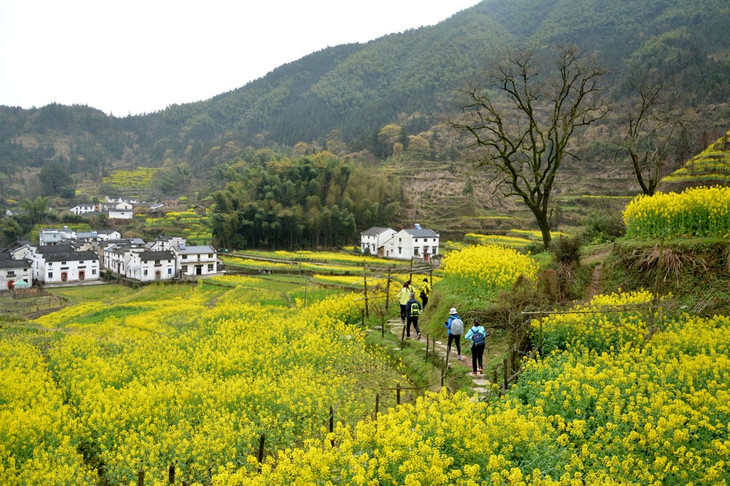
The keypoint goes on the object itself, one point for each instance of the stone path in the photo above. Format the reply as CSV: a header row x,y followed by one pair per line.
x,y
480,382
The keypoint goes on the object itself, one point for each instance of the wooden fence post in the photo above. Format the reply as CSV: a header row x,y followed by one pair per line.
x,y
387,290
377,405
332,424
506,372
140,478
171,474
427,343
260,455
397,393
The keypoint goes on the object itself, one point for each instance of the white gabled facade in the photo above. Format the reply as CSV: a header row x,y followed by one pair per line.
x,y
195,260
416,243
151,266
14,271
65,266
373,240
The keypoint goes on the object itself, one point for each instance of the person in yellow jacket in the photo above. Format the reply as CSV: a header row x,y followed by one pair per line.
x,y
404,296
425,292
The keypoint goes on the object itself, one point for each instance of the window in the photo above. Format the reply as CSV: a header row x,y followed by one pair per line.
x,y
210,255
50,274
184,257
145,272
93,271
169,271
210,267
400,250
415,250
11,273
184,268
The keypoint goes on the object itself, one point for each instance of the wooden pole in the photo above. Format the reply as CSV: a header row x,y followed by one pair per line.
x,y
260,455
140,478
382,326
332,424
410,273
427,343
365,286
397,393
446,364
362,312
171,474
506,372
377,405
403,336
387,290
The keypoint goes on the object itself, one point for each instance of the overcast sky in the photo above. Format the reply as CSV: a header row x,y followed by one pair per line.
x,y
140,56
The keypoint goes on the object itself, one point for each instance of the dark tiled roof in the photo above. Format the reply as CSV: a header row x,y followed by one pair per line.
x,y
422,233
54,249
156,255
374,231
73,256
10,264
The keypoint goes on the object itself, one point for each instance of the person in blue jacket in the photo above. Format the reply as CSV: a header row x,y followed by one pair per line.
x,y
413,310
455,330
477,336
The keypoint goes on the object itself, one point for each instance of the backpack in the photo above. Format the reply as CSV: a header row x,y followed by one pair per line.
x,y
457,327
477,337
415,309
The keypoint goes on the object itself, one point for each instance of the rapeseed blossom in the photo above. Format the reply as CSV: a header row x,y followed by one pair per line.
x,y
698,211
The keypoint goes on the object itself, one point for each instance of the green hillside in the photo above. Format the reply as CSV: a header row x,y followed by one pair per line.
x,y
344,99
711,166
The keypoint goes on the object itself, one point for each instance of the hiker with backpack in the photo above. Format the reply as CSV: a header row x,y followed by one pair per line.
x,y
403,295
477,335
456,328
425,292
413,310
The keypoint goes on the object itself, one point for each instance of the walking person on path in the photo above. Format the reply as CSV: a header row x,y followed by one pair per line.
x,y
413,310
425,292
456,328
404,295
477,336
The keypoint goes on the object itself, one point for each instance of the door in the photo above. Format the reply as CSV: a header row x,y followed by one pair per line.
x,y
82,274
64,276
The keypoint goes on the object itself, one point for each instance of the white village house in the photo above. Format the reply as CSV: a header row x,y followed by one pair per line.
x,y
416,243
405,244
14,273
123,210
373,240
60,264
151,266
195,260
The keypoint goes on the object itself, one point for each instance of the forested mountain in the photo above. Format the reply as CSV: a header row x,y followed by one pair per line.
x,y
340,98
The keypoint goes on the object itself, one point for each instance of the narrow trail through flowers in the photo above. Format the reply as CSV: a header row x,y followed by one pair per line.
x,y
480,382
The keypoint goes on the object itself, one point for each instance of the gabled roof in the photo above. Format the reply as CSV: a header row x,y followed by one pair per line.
x,y
73,256
422,233
156,255
194,250
375,231
9,264
48,249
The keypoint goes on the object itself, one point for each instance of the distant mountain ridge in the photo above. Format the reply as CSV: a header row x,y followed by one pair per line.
x,y
350,92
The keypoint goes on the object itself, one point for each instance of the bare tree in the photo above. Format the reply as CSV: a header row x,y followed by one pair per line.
x,y
524,117
657,130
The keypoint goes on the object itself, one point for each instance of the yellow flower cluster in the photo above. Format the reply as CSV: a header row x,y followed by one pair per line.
x,y
698,211
483,269
149,383
607,322
511,241
654,414
38,434
139,178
